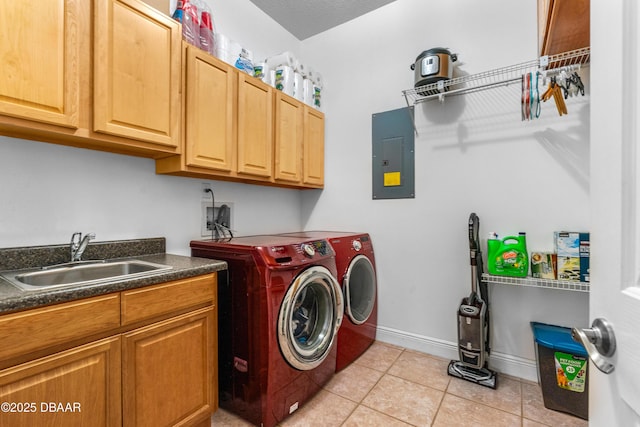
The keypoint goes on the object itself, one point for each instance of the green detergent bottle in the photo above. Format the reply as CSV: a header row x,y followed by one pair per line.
x,y
508,257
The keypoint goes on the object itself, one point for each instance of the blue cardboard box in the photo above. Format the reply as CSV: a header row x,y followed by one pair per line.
x,y
572,249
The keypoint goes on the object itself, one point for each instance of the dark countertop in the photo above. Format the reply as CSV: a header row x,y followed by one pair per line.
x,y
14,299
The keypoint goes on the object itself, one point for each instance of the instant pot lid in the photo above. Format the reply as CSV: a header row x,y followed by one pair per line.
x,y
435,51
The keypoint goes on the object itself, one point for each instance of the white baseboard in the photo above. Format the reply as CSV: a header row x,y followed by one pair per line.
x,y
503,363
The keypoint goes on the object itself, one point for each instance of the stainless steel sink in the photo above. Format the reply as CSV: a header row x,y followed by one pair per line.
x,y
83,274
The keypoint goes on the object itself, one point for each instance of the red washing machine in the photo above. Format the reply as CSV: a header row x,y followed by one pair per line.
x,y
356,263
279,310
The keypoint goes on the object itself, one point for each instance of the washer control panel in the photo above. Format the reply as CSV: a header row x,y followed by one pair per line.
x,y
299,253
322,247
308,249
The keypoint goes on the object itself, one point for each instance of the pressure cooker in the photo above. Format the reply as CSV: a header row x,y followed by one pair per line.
x,y
433,65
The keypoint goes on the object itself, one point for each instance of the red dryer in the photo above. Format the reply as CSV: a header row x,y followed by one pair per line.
x,y
279,310
355,262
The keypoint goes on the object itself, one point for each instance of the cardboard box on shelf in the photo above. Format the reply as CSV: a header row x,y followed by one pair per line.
x,y
569,268
543,265
566,243
572,249
584,258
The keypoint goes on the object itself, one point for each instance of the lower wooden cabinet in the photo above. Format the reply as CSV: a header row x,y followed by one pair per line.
x,y
168,371
156,367
78,387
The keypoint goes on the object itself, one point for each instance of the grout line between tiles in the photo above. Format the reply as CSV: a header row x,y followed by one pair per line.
x,y
361,403
435,415
447,391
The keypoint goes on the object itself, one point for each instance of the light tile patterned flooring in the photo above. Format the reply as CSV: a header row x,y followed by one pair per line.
x,y
390,386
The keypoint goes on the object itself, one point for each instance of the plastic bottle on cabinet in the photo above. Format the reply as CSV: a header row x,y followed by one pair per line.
x,y
179,12
206,30
190,23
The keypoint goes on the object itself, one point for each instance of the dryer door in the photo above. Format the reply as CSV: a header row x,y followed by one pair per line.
x,y
309,319
359,289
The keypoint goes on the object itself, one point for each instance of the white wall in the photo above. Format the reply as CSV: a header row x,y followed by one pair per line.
x,y
49,191
244,22
473,154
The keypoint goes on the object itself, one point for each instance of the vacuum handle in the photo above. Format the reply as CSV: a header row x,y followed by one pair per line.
x,y
474,227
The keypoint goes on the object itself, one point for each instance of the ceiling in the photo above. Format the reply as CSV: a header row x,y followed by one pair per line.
x,y
306,18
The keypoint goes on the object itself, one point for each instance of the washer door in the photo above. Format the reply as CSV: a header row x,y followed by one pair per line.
x,y
359,289
309,319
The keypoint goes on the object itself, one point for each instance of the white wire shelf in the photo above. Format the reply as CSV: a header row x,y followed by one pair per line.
x,y
566,285
546,65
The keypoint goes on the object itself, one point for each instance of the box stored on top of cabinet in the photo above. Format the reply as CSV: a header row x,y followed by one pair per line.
x,y
573,251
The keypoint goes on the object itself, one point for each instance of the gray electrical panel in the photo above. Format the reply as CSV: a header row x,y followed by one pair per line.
x,y
393,154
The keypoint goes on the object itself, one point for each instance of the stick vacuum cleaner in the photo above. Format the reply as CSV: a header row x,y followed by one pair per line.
x,y
473,322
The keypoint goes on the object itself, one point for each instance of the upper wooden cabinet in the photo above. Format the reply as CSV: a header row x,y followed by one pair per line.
x,y
209,113
563,25
313,158
299,143
136,72
238,128
255,127
228,116
289,136
114,75
102,74
40,62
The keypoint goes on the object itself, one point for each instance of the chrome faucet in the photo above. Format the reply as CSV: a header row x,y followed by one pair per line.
x,y
79,244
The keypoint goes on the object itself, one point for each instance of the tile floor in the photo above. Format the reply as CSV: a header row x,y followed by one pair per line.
x,y
390,386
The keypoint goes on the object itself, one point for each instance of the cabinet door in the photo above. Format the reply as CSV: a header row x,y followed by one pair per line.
x,y
39,49
136,72
563,26
169,370
255,127
313,147
289,122
78,387
209,111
